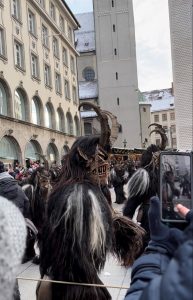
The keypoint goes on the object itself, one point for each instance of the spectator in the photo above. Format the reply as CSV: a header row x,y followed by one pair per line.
x,y
165,269
10,189
12,245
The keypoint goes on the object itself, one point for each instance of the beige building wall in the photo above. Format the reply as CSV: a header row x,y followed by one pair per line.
x,y
180,13
166,118
23,26
116,64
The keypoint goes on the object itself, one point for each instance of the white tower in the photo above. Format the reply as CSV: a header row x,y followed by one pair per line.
x,y
117,68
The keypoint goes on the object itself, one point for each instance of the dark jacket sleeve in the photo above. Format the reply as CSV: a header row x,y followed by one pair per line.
x,y
150,266
156,276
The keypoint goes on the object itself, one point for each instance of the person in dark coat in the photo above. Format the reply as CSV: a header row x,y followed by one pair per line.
x,y
164,271
10,189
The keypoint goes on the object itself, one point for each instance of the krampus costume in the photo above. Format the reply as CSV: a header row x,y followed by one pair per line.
x,y
145,182
81,226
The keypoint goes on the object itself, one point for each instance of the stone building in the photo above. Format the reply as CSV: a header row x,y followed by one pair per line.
x,y
38,79
107,70
162,112
180,13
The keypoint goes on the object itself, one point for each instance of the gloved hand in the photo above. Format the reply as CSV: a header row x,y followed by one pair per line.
x,y
161,235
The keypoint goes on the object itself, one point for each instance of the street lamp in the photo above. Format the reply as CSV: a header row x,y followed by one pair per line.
x,y
124,143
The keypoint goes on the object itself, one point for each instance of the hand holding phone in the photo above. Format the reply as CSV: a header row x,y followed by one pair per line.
x,y
175,184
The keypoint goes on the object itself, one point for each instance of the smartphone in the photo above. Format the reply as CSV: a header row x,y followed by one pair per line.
x,y
175,184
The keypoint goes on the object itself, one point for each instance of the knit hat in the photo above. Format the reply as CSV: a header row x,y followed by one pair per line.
x,y
2,168
12,245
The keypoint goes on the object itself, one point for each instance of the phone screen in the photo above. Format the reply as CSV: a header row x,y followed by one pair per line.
x,y
175,185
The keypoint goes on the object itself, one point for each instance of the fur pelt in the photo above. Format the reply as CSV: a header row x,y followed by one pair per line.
x,y
76,238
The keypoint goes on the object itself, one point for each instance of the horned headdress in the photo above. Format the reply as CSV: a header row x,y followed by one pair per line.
x,y
82,227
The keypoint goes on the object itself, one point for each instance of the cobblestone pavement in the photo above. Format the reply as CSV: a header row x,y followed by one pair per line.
x,y
113,274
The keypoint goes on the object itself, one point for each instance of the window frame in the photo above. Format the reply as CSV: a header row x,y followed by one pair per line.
x,y
72,64
37,75
156,119
66,86
33,22
22,57
65,61
52,11
3,49
45,37
55,47
47,67
16,9
58,83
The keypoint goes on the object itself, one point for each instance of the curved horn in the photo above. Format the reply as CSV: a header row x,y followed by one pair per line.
x,y
156,124
46,164
162,133
115,125
105,129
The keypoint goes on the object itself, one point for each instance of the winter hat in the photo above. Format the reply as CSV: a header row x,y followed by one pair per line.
x,y
2,168
12,245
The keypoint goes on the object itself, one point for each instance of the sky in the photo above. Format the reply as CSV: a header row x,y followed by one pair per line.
x,y
152,35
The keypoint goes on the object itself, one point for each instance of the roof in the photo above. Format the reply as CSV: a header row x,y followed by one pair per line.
x,y
85,36
159,99
88,114
159,105
88,89
70,12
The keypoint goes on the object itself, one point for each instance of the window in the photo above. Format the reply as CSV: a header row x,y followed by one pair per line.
x,y
45,36
55,47
87,128
113,27
2,42
48,116
144,109
19,106
58,83
173,141
35,111
172,116
117,101
59,120
116,74
34,66
74,94
88,74
66,89
19,55
77,126
112,3
70,33
164,117
31,22
70,128
173,128
62,26
3,100
157,141
52,11
16,9
65,56
156,118
42,3
47,75
115,51
72,64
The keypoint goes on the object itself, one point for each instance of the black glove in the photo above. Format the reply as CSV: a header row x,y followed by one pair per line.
x,y
161,235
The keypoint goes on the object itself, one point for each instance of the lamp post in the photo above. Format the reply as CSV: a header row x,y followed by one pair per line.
x,y
124,143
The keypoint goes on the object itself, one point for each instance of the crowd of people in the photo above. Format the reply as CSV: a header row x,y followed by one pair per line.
x,y
68,210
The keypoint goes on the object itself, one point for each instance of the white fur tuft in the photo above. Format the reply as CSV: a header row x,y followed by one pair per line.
x,y
138,184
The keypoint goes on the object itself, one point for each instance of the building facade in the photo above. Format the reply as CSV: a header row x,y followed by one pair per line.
x,y
113,60
180,13
162,112
38,80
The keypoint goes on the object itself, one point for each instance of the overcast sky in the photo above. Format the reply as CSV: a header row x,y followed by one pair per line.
x,y
152,41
